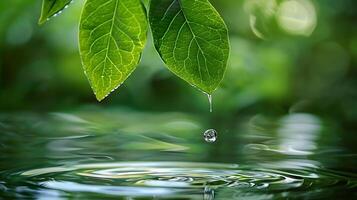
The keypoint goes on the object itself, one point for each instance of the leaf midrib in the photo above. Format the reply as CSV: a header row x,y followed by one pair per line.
x,y
52,5
194,38
110,37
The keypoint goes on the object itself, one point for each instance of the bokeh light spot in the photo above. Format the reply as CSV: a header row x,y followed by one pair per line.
x,y
297,17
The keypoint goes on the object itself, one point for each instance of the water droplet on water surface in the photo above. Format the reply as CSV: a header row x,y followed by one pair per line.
x,y
210,135
208,194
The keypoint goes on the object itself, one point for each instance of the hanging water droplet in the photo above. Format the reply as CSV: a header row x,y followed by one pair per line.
x,y
60,11
210,135
210,102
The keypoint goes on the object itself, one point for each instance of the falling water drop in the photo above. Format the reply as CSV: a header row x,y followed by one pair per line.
x,y
210,135
210,102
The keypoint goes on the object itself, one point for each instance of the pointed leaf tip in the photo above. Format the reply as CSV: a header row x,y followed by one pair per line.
x,y
192,40
111,40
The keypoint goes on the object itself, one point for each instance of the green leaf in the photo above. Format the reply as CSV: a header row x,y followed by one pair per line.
x,y
192,40
51,8
112,36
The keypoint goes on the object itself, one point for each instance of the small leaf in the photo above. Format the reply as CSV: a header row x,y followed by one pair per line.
x,y
192,40
112,36
51,8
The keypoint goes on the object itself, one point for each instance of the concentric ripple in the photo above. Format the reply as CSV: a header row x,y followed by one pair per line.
x,y
179,180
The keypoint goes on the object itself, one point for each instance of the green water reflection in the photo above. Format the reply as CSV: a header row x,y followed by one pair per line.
x,y
121,153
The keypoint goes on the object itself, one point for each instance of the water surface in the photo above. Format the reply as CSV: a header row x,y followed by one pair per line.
x,y
125,154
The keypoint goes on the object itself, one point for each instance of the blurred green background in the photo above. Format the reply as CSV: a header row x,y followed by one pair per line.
x,y
287,56
288,98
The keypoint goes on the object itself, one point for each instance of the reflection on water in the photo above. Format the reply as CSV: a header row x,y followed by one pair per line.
x,y
174,179
133,155
298,134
